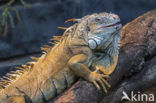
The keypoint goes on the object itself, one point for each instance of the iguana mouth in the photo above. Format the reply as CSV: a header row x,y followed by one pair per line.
x,y
115,24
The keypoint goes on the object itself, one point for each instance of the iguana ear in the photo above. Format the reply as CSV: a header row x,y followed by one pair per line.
x,y
92,43
73,19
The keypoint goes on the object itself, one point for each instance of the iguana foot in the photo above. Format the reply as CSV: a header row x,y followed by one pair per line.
x,y
97,79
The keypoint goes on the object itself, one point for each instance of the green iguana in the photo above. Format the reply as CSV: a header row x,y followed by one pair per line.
x,y
88,49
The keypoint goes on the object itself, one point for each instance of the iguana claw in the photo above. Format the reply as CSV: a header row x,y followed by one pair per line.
x,y
97,79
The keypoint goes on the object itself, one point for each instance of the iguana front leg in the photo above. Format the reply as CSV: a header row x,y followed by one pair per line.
x,y
79,66
19,99
107,64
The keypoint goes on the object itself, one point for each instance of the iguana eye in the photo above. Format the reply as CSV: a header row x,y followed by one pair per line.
x,y
97,19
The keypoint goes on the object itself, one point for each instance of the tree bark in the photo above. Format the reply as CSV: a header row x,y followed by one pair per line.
x,y
136,69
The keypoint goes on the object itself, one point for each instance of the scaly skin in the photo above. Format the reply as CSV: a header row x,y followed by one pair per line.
x,y
92,43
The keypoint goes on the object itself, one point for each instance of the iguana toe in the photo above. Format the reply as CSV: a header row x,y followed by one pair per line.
x,y
99,80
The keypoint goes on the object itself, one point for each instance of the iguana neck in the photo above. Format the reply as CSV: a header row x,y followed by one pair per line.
x,y
109,57
113,48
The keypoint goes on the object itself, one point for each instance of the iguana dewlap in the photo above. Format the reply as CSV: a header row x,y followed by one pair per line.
x,y
92,42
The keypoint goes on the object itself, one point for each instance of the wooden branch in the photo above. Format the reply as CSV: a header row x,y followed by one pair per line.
x,y
143,80
138,46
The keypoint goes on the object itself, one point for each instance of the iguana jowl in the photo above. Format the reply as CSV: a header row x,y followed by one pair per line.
x,y
88,49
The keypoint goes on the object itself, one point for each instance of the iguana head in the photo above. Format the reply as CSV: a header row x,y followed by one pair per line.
x,y
101,29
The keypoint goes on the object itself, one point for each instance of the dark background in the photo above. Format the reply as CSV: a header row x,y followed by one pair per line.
x,y
43,18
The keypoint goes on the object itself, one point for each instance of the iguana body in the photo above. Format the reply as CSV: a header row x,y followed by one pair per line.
x,y
92,43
